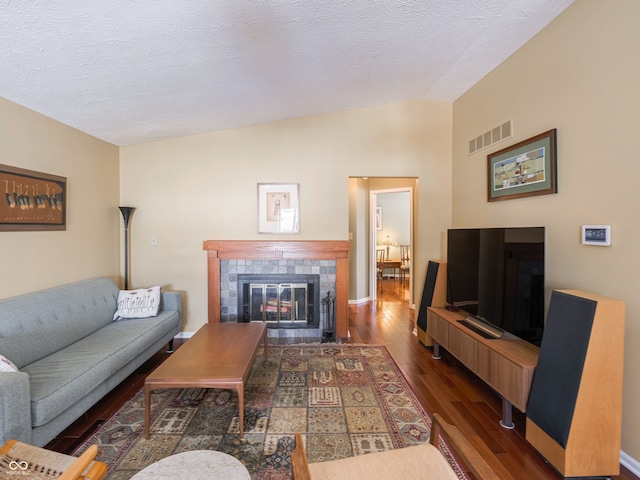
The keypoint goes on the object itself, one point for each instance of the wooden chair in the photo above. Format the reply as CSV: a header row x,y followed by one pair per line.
x,y
405,258
379,266
419,461
39,463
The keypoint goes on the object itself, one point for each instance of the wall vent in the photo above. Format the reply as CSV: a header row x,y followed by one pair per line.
x,y
491,137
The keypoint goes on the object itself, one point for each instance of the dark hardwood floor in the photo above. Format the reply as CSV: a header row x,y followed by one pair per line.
x,y
443,386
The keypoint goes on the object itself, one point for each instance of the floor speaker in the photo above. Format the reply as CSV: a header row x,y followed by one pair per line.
x,y
574,413
434,294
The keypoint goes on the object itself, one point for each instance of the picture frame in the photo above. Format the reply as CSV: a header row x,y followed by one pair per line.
x,y
32,201
279,208
378,218
525,169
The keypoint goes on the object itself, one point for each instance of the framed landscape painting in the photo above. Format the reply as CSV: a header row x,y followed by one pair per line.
x,y
525,169
32,201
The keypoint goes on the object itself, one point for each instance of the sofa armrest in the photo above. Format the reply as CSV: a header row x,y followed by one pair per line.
x,y
172,301
15,407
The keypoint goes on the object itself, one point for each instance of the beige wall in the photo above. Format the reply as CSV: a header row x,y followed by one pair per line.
x,y
581,76
89,246
203,187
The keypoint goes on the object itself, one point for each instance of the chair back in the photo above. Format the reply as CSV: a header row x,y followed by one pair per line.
x,y
405,255
380,255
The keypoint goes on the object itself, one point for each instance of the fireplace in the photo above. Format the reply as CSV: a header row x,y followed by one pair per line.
x,y
219,252
281,301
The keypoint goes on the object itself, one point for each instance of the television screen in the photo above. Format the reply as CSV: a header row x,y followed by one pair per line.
x,y
497,274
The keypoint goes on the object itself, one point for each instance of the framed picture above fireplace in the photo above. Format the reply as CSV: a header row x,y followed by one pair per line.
x,y
279,208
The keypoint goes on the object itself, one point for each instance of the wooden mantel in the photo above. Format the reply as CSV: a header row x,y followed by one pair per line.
x,y
337,250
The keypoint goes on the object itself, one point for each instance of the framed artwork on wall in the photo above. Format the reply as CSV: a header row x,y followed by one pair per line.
x,y
525,169
279,208
32,201
378,218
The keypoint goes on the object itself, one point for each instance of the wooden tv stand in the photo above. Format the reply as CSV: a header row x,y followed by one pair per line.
x,y
506,364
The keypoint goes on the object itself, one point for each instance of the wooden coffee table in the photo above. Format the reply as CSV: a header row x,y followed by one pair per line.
x,y
219,355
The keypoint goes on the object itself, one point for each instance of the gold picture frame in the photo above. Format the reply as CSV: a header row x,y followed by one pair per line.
x,y
279,208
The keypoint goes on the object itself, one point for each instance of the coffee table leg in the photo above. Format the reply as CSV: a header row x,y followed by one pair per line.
x,y
240,389
147,410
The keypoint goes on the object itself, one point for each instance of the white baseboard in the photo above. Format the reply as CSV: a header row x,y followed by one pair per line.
x,y
360,301
630,463
185,335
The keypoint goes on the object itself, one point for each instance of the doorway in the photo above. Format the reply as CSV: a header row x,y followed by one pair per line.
x,y
363,235
391,236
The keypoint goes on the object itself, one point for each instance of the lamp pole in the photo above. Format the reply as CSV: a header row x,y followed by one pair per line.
x,y
126,216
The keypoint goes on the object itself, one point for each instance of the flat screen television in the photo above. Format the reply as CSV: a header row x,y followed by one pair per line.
x,y
496,275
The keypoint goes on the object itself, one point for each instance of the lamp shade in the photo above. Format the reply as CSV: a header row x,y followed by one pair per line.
x,y
126,216
388,242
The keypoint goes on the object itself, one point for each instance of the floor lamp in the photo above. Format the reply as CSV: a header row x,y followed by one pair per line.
x,y
126,216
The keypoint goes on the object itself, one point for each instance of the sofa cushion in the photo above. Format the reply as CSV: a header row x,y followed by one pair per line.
x,y
36,325
7,365
60,379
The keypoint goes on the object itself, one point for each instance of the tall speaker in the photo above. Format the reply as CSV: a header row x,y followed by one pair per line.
x,y
574,414
434,294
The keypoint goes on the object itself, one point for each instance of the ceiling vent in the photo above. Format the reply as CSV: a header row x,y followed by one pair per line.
x,y
490,137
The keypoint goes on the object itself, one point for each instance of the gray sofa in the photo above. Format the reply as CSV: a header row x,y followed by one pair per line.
x,y
70,353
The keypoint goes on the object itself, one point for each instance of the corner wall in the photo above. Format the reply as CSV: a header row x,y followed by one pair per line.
x,y
579,75
89,246
359,227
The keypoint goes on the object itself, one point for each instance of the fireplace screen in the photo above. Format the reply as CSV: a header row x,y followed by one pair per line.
x,y
280,303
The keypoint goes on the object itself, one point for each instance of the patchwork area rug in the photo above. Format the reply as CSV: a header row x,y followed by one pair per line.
x,y
346,400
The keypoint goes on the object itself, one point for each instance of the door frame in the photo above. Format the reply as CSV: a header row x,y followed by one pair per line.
x,y
373,203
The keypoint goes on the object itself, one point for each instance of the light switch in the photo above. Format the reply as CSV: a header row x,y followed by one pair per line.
x,y
154,241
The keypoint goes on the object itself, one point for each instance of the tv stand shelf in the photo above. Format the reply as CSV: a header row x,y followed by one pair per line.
x,y
506,364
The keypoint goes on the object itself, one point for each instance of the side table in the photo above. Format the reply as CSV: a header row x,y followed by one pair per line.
x,y
195,465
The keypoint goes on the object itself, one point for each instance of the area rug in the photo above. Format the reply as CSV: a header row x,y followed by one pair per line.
x,y
346,400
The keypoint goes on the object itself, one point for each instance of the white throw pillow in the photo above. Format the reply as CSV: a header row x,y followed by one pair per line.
x,y
140,303
7,365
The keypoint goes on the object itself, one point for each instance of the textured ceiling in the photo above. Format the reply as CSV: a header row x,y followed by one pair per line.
x,y
132,71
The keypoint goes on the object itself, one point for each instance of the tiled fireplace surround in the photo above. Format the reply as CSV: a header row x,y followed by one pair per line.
x,y
230,269
228,258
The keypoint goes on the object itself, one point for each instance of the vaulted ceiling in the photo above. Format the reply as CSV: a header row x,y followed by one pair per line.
x,y
133,71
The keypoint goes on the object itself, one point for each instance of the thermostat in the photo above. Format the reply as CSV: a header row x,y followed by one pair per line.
x,y
596,235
